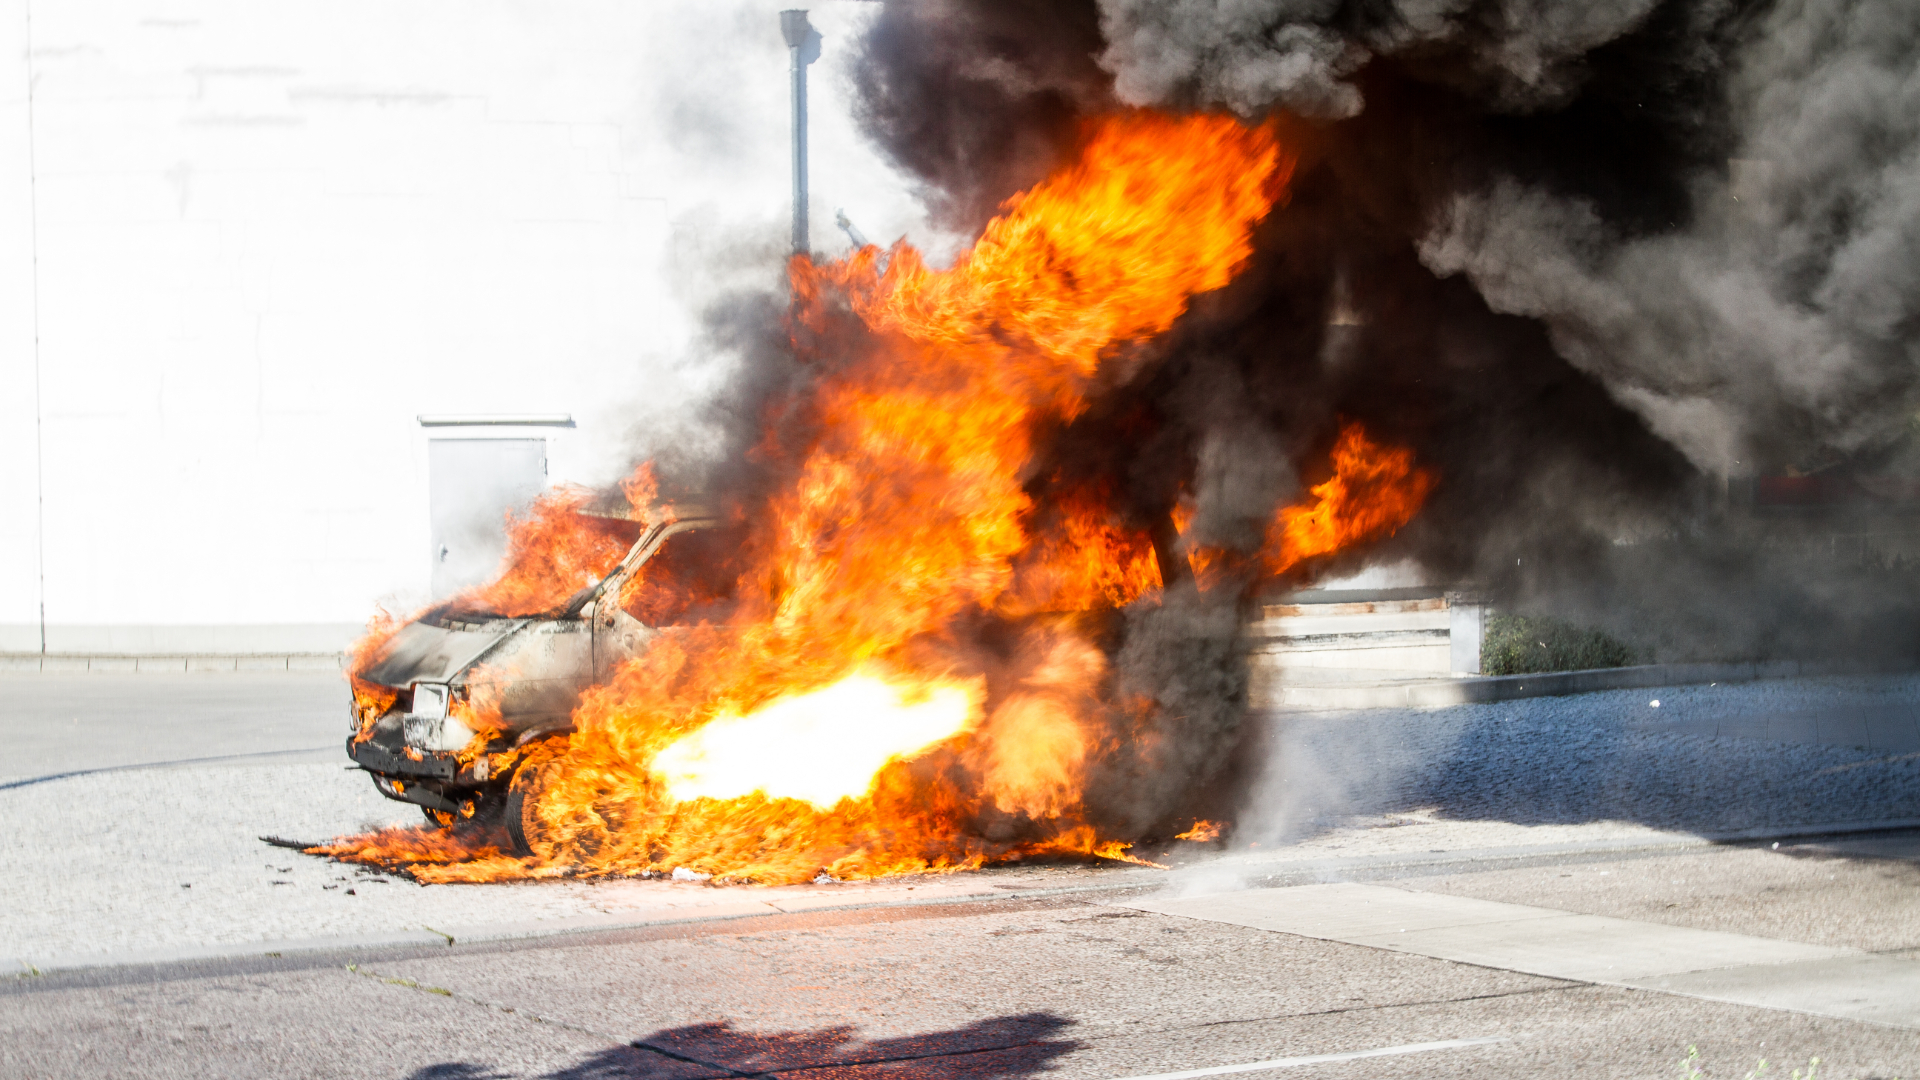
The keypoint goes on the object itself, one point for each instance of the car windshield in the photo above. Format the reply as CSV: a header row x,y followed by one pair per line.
x,y
691,574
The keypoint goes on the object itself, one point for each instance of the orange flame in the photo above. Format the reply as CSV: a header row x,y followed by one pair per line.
x,y
1108,250
1203,832
905,516
371,701
1080,555
907,512
1374,491
553,551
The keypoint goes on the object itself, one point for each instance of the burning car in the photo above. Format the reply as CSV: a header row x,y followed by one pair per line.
x,y
913,658
447,708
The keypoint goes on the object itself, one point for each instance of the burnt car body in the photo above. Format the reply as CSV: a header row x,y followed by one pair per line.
x,y
412,738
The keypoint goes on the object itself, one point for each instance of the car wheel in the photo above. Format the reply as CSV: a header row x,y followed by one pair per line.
x,y
519,813
517,810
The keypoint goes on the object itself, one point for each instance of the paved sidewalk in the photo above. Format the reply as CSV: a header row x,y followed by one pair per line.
x,y
171,867
118,852
55,724
1018,987
1600,806
1822,980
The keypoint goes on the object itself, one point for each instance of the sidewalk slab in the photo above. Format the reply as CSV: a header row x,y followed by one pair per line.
x,y
1514,937
1877,989
1595,948
1333,917
869,897
1738,968
1343,912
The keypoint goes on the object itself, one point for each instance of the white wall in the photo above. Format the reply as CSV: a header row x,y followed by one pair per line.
x,y
19,515
258,237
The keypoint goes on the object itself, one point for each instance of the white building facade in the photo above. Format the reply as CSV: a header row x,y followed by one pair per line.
x,y
246,246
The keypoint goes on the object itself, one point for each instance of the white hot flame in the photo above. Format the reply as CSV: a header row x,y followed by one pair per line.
x,y
821,746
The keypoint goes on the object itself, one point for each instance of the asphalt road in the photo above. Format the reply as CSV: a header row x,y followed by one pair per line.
x,y
69,723
1075,985
1070,986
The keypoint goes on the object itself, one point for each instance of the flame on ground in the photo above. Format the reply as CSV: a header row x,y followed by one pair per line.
x,y
841,717
1203,832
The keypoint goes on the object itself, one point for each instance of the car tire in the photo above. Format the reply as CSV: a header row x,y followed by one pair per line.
x,y
518,813
518,810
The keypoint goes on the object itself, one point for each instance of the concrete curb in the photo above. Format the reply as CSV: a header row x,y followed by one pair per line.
x,y
1479,689
1278,870
1258,873
101,663
457,935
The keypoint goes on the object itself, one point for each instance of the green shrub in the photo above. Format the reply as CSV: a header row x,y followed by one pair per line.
x,y
1521,645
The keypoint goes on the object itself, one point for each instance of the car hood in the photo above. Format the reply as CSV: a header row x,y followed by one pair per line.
x,y
424,651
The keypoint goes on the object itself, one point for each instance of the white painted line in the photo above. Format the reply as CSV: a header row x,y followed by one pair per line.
x,y
1316,1059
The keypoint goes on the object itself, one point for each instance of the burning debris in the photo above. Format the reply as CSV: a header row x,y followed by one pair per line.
x,y
966,583
1203,832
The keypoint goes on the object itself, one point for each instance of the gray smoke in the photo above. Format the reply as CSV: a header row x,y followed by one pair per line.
x,y
1183,656
1584,260
1772,324
1300,55
1781,322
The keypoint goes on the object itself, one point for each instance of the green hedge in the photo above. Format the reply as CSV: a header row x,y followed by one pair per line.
x,y
1521,645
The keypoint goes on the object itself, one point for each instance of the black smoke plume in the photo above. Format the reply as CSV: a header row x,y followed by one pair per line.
x,y
1607,266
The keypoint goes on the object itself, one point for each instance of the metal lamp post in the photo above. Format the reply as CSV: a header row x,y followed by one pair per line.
x,y
798,34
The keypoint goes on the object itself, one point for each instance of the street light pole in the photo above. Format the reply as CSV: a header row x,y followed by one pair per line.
x,y
796,30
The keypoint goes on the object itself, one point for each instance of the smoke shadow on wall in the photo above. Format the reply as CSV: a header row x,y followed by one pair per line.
x,y
999,1047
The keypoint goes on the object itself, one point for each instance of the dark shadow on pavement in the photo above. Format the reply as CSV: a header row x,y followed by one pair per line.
x,y
1001,1047
1598,757
456,1070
